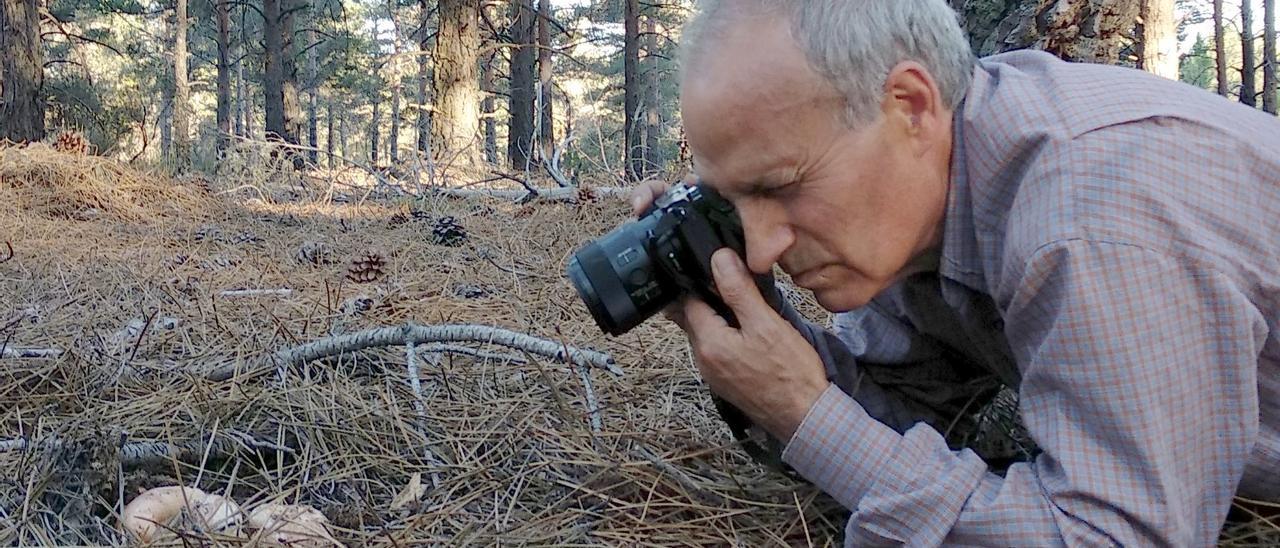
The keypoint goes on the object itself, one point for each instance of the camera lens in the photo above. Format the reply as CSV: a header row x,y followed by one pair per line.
x,y
618,280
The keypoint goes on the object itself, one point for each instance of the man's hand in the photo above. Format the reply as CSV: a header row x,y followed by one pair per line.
x,y
765,367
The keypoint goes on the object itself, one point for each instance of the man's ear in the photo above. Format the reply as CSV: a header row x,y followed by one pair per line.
x,y
912,98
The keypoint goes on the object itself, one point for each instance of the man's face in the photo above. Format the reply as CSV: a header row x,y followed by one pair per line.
x,y
842,211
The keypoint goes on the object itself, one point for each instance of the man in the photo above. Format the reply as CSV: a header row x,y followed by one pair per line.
x,y
1102,240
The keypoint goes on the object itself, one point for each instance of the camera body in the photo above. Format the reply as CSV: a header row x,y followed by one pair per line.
x,y
631,273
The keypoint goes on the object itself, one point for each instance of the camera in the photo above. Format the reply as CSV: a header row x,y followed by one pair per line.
x,y
631,273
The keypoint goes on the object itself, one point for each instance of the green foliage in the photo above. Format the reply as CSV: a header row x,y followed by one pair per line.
x,y
1198,67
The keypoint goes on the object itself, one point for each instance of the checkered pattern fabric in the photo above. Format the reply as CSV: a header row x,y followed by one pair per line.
x,y
1111,249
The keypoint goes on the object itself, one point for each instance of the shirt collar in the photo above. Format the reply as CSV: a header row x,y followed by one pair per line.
x,y
960,255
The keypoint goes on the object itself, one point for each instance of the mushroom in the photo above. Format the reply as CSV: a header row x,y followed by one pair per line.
x,y
292,525
155,511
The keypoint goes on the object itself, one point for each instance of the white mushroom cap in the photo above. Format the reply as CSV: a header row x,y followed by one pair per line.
x,y
292,525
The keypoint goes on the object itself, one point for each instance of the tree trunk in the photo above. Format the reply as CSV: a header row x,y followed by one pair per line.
x,y
342,135
374,132
273,73
545,99
1220,48
1159,39
224,76
246,100
181,89
21,72
165,118
237,104
520,102
652,110
292,101
280,88
487,110
328,140
1092,31
455,130
313,106
1269,56
393,140
634,149
1248,66
424,67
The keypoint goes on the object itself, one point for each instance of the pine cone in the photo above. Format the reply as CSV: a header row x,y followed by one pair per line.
x,y
448,232
71,142
524,211
245,238
315,253
366,268
208,233
586,195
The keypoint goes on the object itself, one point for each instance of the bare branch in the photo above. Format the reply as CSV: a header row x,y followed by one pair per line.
x,y
411,333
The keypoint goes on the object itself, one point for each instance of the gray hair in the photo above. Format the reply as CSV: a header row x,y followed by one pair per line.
x,y
854,43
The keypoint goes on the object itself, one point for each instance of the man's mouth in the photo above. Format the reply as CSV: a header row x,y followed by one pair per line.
x,y
806,278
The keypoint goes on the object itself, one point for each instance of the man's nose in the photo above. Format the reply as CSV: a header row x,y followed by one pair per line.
x,y
767,237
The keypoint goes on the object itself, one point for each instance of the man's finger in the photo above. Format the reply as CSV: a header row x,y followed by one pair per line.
x,y
645,194
700,319
736,286
675,313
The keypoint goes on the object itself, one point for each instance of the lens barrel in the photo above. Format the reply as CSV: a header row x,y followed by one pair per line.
x,y
617,278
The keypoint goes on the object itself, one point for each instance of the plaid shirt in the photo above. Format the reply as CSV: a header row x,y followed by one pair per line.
x,y
1112,249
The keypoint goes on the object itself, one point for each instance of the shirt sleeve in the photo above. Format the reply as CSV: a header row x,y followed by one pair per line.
x,y
1139,376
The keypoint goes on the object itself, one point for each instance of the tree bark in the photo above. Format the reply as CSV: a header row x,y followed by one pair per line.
x,y
393,138
1220,48
652,110
375,132
342,135
165,119
424,70
487,109
246,100
181,89
634,148
328,140
21,72
280,88
455,130
520,103
545,100
223,21
313,103
1269,56
1248,65
394,67
1092,31
1159,39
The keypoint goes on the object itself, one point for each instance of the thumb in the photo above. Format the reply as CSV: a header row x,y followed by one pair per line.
x,y
736,286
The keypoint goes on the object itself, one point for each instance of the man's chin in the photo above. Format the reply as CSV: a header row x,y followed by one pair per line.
x,y
837,301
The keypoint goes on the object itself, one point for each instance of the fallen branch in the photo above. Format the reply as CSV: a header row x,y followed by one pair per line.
x,y
593,408
473,352
549,195
420,406
138,453
255,292
6,352
417,334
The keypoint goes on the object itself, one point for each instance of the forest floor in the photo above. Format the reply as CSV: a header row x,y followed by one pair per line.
x,y
139,314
